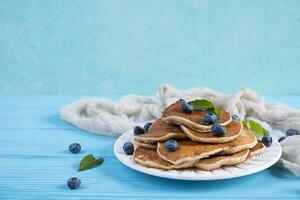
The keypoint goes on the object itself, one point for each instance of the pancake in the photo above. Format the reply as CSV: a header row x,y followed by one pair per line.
x,y
161,131
192,151
234,129
257,149
195,120
246,140
188,151
219,161
145,145
150,158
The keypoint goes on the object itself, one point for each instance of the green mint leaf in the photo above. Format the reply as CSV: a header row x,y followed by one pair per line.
x,y
203,104
256,127
217,111
88,162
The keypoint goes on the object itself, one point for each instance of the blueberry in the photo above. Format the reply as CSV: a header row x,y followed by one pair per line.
x,y
186,107
171,145
138,130
74,148
180,100
74,183
267,140
236,117
128,148
147,126
210,118
282,138
291,132
218,130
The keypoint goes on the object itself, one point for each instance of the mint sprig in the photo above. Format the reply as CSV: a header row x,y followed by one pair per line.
x,y
256,127
89,161
203,104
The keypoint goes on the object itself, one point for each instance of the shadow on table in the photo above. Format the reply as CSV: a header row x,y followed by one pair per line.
x,y
282,173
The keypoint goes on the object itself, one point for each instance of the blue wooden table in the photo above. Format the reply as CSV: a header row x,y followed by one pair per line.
x,y
35,162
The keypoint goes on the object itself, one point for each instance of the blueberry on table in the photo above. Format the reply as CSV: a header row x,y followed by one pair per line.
x,y
74,148
291,132
147,126
128,148
171,145
186,107
236,117
74,183
281,139
267,140
138,130
210,118
218,130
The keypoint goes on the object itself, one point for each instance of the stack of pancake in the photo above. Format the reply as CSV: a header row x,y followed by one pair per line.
x,y
197,147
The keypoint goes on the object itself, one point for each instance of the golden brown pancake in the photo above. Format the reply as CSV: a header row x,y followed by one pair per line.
x,y
234,129
188,151
192,151
257,149
245,140
219,161
145,145
161,131
174,115
150,158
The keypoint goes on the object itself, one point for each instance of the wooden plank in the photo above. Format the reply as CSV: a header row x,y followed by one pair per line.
x,y
52,143
45,101
40,177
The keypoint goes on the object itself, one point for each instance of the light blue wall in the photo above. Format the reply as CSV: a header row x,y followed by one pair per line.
x,y
116,47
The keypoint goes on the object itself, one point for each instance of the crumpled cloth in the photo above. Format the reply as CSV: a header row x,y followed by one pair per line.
x,y
106,117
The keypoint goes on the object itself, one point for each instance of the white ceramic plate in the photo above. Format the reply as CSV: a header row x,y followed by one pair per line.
x,y
255,164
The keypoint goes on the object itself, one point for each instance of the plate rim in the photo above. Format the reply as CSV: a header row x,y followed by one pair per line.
x,y
162,174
